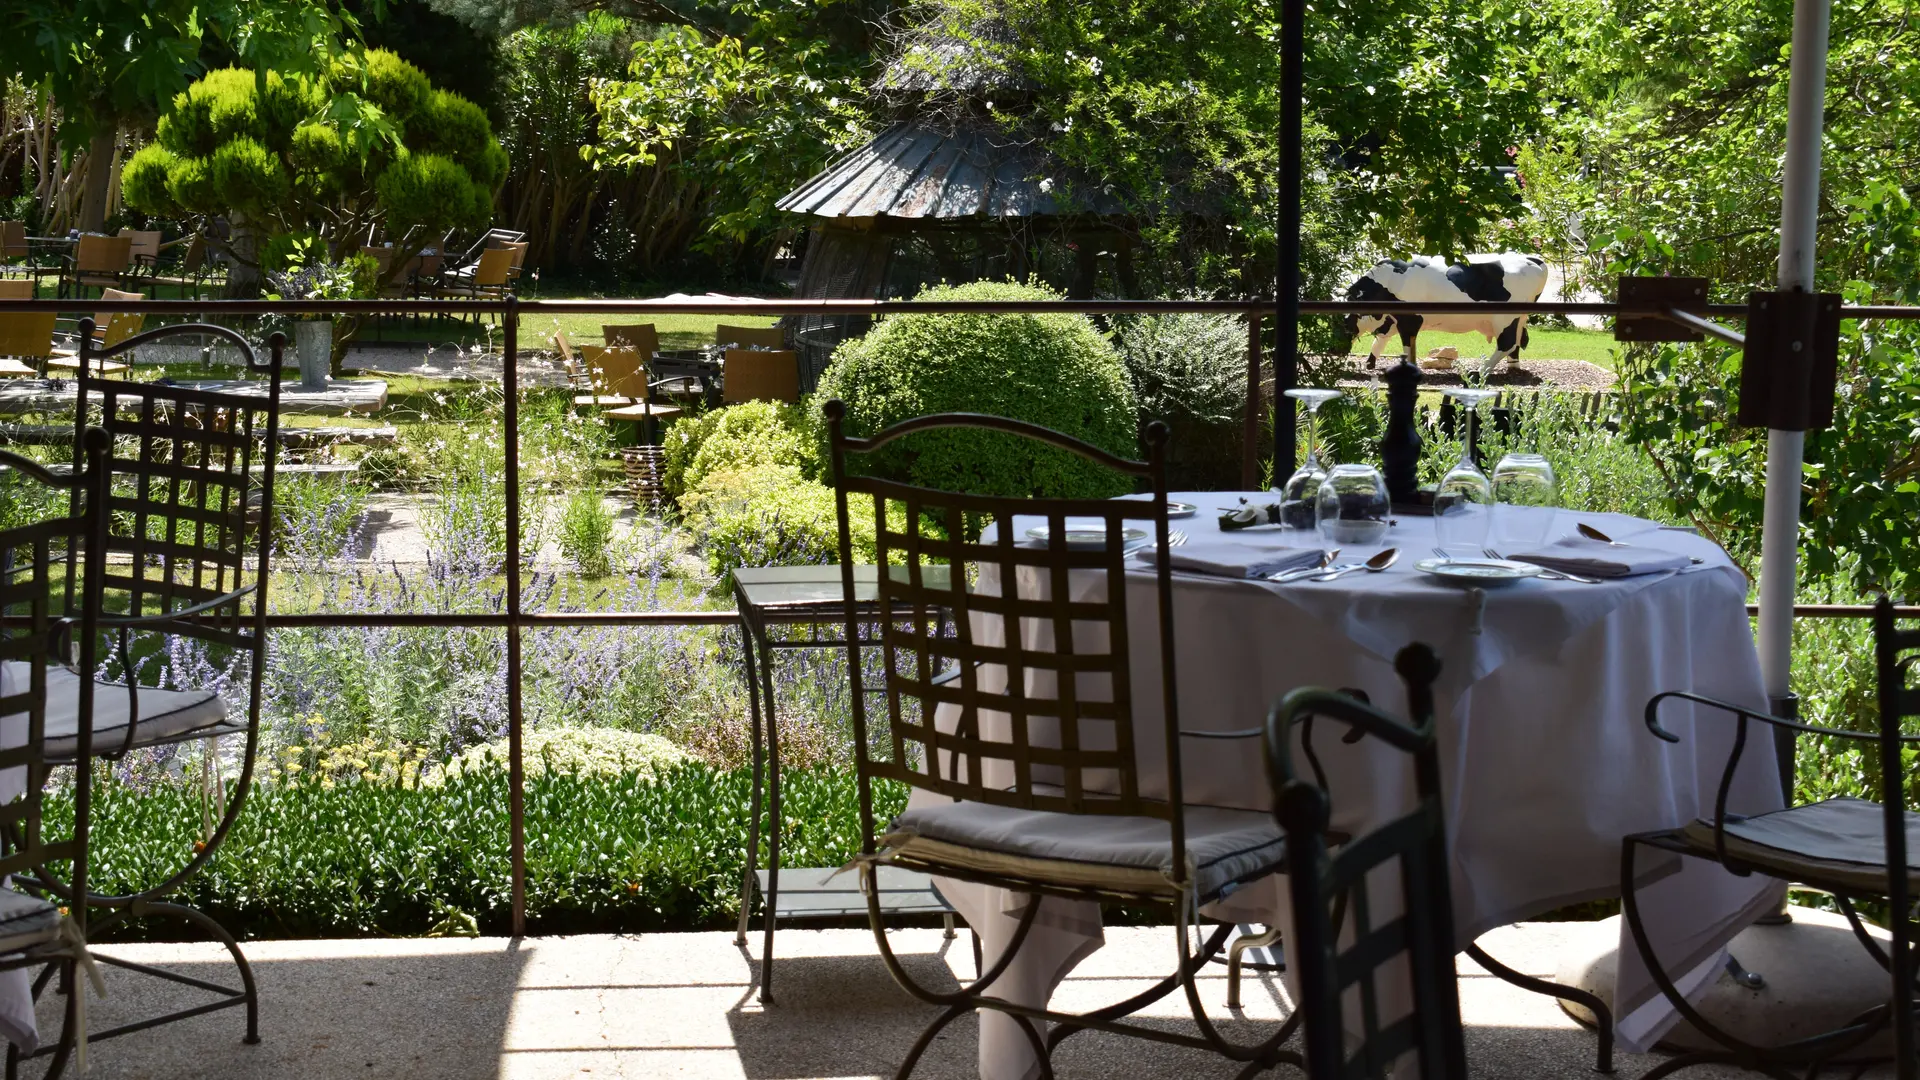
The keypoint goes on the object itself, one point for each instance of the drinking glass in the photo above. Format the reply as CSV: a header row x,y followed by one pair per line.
x,y
1352,508
1302,489
1463,503
1524,486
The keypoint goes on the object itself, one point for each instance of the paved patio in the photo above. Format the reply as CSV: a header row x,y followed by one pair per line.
x,y
682,1005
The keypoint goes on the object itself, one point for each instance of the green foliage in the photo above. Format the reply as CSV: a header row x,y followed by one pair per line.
x,y
770,515
1190,371
366,142
743,436
1053,370
586,528
643,850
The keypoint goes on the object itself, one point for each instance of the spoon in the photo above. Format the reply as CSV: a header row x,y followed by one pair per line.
x,y
1374,565
1592,533
1326,560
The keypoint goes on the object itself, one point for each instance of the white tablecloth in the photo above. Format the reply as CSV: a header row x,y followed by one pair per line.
x,y
1547,762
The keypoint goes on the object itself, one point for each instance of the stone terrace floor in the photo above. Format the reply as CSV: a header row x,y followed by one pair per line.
x,y
682,1005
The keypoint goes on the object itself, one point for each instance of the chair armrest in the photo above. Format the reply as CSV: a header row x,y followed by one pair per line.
x,y
1243,733
37,471
1653,719
161,617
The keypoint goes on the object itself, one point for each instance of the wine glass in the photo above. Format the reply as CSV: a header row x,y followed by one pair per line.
x,y
1352,507
1298,497
1527,493
1463,503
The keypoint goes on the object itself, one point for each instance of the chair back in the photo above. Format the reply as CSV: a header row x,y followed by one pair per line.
x,y
565,348
1896,654
1418,939
144,244
491,271
196,255
750,337
641,336
617,370
112,329
30,642
26,333
96,254
760,375
13,240
190,481
518,251
1058,734
16,288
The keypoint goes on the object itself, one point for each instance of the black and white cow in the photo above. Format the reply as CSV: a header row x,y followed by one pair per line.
x,y
1485,278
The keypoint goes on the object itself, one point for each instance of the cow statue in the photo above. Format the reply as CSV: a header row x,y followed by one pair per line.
x,y
1484,278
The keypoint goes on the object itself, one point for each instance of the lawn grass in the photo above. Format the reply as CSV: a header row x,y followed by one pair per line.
x,y
1594,346
537,329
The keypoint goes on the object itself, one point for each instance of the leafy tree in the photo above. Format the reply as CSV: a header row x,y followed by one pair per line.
x,y
109,63
368,143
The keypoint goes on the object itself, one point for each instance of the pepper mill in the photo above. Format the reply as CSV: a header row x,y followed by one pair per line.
x,y
1400,443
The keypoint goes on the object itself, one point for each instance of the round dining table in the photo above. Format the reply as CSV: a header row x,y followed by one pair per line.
x,y
1546,758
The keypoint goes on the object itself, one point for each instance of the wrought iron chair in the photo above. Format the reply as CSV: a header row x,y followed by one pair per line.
x,y
1845,847
182,551
34,931
1329,888
1049,796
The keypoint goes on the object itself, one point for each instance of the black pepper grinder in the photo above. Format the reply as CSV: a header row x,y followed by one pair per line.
x,y
1400,443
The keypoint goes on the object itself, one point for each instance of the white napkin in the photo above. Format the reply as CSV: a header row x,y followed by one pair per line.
x,y
1579,555
1233,560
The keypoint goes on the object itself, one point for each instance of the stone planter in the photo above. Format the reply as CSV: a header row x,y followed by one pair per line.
x,y
313,344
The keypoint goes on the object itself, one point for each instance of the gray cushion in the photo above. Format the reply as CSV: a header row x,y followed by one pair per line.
x,y
25,921
165,716
1843,841
1116,854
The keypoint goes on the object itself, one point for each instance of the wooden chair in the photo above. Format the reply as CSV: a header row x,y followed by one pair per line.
x,y
641,336
760,375
144,253
24,335
1329,886
100,262
108,330
485,279
13,241
750,337
1042,786
619,378
193,273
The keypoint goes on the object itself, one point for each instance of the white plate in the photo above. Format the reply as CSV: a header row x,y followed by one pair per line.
x,y
1180,509
1478,571
1087,537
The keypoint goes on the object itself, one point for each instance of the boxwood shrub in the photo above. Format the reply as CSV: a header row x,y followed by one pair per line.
x,y
1054,370
605,853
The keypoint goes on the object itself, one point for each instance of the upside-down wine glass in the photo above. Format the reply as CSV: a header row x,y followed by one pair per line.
x,y
1301,494
1463,503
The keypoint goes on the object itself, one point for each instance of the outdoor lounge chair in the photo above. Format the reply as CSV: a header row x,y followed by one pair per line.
x,y
1328,888
97,262
749,337
108,330
639,336
1027,788
192,274
760,375
24,335
1845,847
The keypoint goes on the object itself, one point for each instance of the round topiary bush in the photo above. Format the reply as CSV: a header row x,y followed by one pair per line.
x,y
1054,370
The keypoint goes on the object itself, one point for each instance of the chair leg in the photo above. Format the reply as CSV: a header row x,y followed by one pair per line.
x,y
1240,945
1602,1016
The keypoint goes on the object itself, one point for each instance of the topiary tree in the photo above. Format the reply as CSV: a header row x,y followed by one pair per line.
x,y
369,142
1053,370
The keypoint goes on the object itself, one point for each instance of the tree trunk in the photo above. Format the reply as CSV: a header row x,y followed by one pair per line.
x,y
243,273
93,202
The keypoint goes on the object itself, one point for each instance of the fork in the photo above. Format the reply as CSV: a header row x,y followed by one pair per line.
x,y
1550,575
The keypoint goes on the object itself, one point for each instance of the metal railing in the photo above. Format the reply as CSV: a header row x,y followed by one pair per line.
x,y
510,310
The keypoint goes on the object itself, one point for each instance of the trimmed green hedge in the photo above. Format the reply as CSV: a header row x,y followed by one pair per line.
x,y
605,854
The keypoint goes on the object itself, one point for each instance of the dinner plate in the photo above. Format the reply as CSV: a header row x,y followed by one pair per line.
x,y
1180,509
1478,571
1087,537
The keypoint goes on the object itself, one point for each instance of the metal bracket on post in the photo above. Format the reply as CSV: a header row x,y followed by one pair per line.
x,y
1654,296
1792,360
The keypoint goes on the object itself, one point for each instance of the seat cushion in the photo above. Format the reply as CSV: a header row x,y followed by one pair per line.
x,y
1118,854
1838,842
26,921
165,716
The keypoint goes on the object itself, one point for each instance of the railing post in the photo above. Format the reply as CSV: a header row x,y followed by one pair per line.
x,y
1250,422
1286,354
516,766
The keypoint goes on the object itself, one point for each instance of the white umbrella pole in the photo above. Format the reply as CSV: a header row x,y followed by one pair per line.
x,y
1799,228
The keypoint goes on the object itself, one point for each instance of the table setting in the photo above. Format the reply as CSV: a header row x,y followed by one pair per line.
x,y
1553,629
